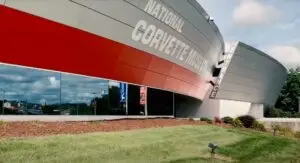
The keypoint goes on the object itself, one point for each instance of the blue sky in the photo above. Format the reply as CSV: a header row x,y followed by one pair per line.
x,y
272,26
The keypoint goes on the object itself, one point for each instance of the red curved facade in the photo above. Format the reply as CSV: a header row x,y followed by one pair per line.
x,y
36,42
33,41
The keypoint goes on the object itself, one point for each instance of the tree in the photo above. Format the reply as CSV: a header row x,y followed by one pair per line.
x,y
288,99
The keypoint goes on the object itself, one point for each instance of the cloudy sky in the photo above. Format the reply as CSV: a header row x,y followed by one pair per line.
x,y
272,26
36,86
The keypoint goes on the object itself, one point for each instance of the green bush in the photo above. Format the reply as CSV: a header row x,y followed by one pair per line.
x,y
227,120
276,127
204,119
286,131
209,121
247,120
274,113
296,115
237,123
285,114
258,126
297,134
2,123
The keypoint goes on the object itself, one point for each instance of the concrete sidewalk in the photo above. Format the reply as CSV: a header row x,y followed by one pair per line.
x,y
63,118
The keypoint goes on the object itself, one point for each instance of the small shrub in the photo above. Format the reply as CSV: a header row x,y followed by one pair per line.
x,y
296,115
227,120
297,134
191,119
36,122
258,126
209,121
286,131
237,123
247,120
274,113
276,127
2,123
285,114
204,119
217,120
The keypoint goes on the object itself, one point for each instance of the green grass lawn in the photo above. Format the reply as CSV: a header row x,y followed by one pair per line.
x,y
169,145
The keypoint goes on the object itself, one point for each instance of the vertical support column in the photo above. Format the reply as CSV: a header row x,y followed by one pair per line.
x,y
257,111
146,101
126,105
60,85
173,104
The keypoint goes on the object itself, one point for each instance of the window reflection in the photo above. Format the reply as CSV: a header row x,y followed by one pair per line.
x,y
28,91
117,98
84,95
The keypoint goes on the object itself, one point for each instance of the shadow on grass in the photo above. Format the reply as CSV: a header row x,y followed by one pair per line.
x,y
198,160
260,147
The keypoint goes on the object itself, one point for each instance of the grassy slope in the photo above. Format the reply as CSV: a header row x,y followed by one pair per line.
x,y
173,145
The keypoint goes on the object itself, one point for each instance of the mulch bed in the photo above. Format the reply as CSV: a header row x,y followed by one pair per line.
x,y
25,129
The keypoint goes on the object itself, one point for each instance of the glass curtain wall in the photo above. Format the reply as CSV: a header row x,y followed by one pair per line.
x,y
83,95
26,91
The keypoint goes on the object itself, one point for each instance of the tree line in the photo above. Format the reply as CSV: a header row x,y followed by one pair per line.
x,y
287,104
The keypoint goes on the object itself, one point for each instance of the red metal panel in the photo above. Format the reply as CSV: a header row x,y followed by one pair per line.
x,y
154,79
36,42
161,66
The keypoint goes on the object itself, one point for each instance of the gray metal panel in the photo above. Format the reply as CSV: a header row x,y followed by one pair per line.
x,y
116,19
252,76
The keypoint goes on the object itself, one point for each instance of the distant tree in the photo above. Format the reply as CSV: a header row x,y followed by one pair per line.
x,y
288,99
298,69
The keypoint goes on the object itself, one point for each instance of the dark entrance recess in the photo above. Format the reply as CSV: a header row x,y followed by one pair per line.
x,y
159,102
186,106
134,106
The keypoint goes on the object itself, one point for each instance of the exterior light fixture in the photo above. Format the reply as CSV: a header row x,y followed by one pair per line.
x,y
212,83
210,19
221,62
213,147
216,71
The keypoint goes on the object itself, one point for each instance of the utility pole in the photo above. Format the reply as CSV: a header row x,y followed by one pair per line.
x,y
60,85
3,96
95,101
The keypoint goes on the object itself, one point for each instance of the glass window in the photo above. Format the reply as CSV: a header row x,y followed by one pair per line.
x,y
28,91
84,95
117,98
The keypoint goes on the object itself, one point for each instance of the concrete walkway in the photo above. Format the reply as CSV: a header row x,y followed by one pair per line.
x,y
55,118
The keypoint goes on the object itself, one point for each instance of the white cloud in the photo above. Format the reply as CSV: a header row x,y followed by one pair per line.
x,y
288,55
37,86
16,78
54,83
253,13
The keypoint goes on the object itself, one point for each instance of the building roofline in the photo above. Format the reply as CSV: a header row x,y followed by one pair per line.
x,y
262,53
203,12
